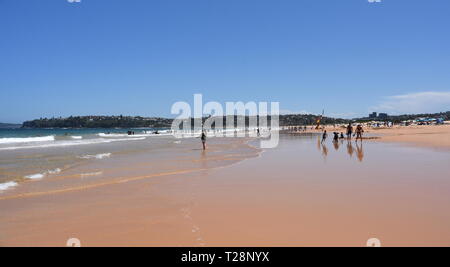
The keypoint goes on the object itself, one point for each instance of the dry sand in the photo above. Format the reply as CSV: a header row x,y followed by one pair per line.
x,y
433,136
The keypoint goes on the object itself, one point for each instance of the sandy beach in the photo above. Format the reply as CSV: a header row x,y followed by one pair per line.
x,y
431,136
435,136
302,193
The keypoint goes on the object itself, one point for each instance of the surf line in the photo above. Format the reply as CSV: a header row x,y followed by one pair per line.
x,y
117,181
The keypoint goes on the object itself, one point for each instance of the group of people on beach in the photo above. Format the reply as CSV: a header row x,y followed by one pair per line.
x,y
336,135
350,148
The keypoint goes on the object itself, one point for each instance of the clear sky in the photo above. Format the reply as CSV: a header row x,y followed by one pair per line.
x,y
138,57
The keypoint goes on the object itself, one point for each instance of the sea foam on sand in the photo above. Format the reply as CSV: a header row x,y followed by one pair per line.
x,y
7,185
38,176
98,156
91,174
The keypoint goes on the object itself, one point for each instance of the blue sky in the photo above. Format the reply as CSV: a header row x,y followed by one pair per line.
x,y
138,57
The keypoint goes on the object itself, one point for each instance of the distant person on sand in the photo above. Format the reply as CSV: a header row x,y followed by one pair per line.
x,y
324,136
349,131
342,135
203,137
359,132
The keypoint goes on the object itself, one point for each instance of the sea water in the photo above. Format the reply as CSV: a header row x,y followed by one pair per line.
x,y
32,154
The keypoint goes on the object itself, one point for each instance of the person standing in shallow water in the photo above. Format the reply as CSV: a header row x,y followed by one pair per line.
x,y
359,132
203,138
349,131
335,137
324,136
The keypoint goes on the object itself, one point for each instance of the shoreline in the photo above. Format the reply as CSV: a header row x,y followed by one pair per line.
x,y
279,197
53,203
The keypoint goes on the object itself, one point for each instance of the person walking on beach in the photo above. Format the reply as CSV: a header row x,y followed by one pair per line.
x,y
349,131
203,138
359,132
324,136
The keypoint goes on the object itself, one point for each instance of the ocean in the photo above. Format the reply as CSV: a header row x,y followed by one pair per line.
x,y
30,155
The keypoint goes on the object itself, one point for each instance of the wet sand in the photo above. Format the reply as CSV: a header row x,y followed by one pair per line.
x,y
302,193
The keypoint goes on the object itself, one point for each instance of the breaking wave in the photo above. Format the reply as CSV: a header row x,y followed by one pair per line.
x,y
26,139
72,143
38,176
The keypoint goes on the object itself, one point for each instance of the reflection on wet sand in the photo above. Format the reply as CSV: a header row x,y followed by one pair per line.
x,y
350,148
322,147
204,161
324,150
336,145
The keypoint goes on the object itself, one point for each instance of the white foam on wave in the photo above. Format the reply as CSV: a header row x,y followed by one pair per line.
x,y
39,176
35,176
26,139
55,171
91,174
150,135
160,134
112,135
98,156
77,137
146,134
7,185
72,143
